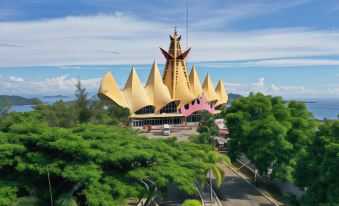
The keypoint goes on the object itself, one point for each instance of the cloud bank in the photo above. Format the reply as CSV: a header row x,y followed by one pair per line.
x,y
52,86
77,40
289,91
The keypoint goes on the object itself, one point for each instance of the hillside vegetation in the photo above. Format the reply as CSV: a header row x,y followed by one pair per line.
x,y
15,100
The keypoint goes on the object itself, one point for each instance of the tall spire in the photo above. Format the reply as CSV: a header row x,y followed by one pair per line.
x,y
175,74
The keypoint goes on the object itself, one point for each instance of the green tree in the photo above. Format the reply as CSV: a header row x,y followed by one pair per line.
x,y
100,165
191,203
317,171
4,109
270,132
104,111
82,103
207,128
122,114
66,199
213,158
207,124
58,114
28,201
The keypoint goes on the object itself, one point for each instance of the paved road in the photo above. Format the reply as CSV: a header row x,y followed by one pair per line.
x,y
174,197
236,192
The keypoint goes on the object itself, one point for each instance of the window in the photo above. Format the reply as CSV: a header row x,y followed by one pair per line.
x,y
169,108
195,117
145,110
157,121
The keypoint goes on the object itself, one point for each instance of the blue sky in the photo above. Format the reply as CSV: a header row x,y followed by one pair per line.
x,y
282,47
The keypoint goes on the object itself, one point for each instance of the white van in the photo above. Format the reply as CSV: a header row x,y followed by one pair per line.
x,y
166,130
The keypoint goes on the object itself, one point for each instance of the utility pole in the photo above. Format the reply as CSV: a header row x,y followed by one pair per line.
x,y
211,189
50,188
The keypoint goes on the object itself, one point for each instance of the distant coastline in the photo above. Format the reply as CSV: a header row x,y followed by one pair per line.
x,y
321,107
309,102
16,100
55,96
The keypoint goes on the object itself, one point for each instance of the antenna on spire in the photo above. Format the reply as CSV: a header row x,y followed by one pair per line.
x,y
186,27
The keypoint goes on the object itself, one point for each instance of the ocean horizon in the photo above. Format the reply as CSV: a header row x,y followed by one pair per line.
x,y
320,107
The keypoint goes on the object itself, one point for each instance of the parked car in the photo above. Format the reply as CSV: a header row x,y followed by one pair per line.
x,y
166,130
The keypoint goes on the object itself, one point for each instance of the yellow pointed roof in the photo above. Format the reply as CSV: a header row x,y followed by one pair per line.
x,y
221,93
135,93
196,88
156,90
209,91
110,89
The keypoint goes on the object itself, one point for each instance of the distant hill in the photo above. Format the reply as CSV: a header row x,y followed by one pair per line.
x,y
16,100
232,97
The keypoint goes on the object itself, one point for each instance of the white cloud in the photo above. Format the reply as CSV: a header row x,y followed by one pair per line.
x,y
245,89
288,62
283,90
260,83
75,40
332,91
52,86
15,79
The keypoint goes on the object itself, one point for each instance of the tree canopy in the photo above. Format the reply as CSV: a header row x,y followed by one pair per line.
x,y
207,129
318,169
90,164
191,203
269,131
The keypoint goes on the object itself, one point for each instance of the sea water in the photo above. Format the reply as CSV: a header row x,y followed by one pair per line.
x,y
321,108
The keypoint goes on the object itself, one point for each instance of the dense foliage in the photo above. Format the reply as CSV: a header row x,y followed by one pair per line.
x,y
318,169
271,132
4,107
207,124
90,164
191,203
83,110
207,129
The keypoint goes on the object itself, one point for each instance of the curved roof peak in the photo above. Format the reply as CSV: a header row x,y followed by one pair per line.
x,y
221,93
135,93
111,90
154,75
156,90
195,82
208,89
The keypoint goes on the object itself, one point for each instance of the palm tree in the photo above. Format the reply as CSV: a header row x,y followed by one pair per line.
x,y
212,158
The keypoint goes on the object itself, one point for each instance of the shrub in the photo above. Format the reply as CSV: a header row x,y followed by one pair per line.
x,y
191,203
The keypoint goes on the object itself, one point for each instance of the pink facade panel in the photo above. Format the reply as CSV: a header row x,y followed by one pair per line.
x,y
198,104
